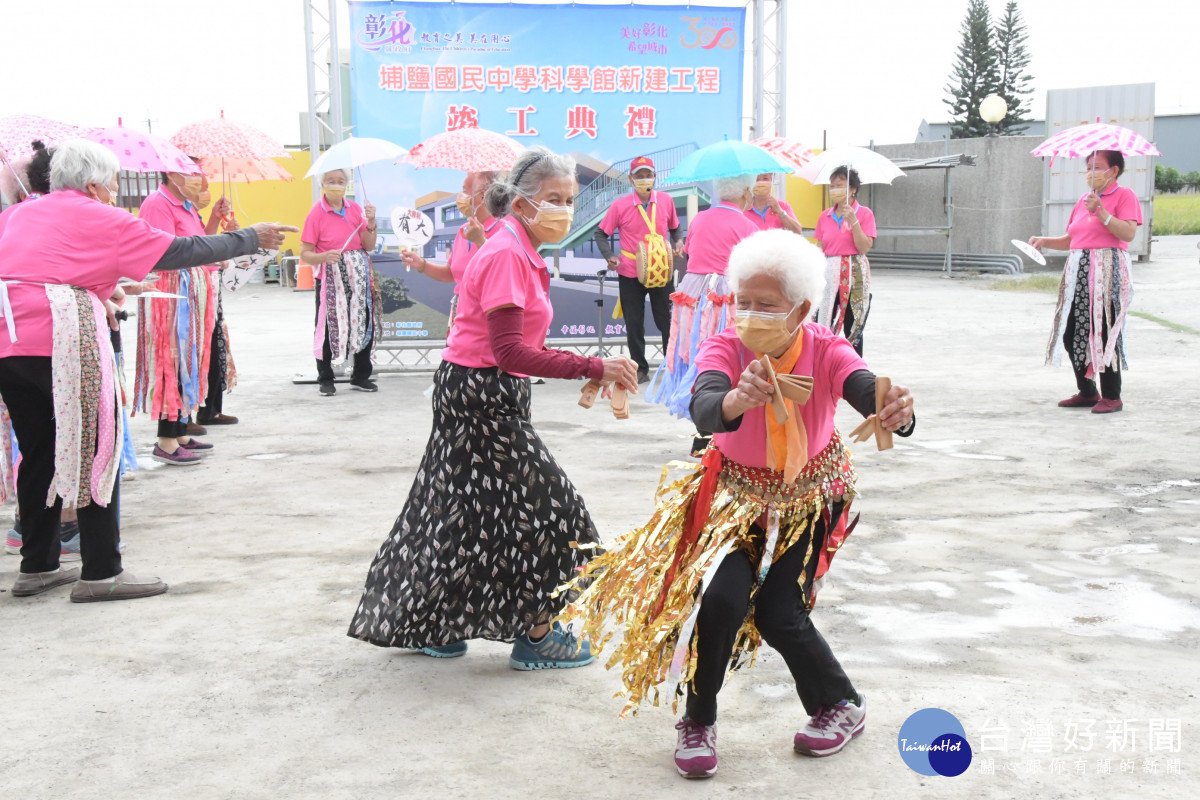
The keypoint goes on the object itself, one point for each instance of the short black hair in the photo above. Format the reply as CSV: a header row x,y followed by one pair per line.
x,y
1114,158
38,173
851,176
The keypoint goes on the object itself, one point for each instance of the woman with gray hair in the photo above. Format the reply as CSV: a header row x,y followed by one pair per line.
x,y
60,260
487,535
703,302
741,547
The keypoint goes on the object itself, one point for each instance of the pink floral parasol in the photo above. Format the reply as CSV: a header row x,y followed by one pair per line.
x,y
224,138
469,149
1083,140
243,170
788,150
143,152
19,131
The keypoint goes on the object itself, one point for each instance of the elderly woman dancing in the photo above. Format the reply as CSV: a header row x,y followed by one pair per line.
x,y
487,533
56,362
1097,286
735,556
703,303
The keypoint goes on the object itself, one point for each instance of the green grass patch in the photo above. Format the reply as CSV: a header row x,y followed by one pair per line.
x,y
1176,214
1166,323
1041,282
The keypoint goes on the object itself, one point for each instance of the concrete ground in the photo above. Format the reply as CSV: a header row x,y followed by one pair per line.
x,y
1030,569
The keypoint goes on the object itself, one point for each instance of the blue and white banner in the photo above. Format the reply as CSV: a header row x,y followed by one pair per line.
x,y
606,82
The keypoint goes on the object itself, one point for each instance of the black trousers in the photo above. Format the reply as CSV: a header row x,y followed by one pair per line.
x,y
781,618
213,402
633,304
173,428
848,325
1110,379
362,359
25,385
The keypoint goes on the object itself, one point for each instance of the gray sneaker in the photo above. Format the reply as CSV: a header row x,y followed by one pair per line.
x,y
31,583
121,586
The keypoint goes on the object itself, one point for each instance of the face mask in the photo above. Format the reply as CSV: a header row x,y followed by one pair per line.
x,y
189,187
112,197
551,223
203,200
762,189
839,195
763,332
333,191
1097,180
466,206
643,184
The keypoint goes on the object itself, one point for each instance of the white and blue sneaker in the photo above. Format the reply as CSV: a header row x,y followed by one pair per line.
x,y
558,649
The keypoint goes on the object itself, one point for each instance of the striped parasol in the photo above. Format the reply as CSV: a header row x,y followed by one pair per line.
x,y
1083,140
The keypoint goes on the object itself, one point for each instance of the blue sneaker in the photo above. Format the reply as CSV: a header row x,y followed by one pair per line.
x,y
558,649
452,650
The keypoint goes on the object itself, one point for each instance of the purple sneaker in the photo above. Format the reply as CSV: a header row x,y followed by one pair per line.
x,y
696,749
832,728
198,448
182,457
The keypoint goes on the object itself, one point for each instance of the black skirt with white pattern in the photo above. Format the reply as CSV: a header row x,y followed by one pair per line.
x,y
484,539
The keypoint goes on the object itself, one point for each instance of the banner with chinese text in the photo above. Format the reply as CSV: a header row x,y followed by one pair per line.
x,y
608,82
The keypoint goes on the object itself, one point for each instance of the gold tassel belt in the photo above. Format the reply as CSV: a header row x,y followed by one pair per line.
x,y
829,474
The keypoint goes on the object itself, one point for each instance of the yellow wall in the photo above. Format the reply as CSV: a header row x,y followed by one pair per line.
x,y
287,202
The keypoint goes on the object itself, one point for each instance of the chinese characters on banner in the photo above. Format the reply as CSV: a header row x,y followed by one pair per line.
x,y
603,83
610,81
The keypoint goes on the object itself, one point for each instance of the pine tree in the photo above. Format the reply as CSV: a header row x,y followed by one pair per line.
x,y
975,73
1013,59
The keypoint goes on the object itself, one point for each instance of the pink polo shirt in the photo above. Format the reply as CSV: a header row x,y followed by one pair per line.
x,y
623,215
1088,232
164,212
712,236
837,239
767,219
66,237
507,271
326,229
463,249
827,357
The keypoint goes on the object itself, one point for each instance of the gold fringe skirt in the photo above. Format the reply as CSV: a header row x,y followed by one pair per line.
x,y
624,589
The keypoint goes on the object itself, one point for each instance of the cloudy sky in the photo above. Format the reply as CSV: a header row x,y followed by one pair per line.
x,y
860,71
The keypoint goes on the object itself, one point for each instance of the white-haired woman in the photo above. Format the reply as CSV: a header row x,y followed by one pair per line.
x,y
737,552
60,260
338,234
486,536
703,303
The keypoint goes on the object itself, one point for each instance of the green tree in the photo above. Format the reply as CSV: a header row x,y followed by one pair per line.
x,y
1012,61
975,74
1172,181
1192,181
